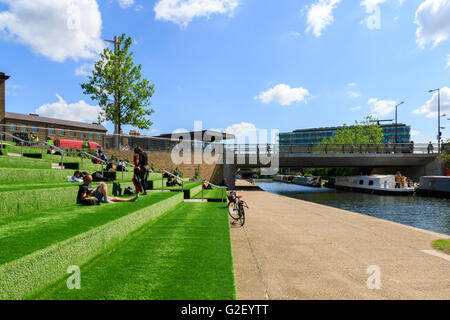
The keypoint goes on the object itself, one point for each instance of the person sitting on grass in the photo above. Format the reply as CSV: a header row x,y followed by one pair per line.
x,y
171,182
77,177
206,186
101,192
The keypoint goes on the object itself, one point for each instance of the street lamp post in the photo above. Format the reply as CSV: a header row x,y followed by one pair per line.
x,y
116,44
396,141
439,117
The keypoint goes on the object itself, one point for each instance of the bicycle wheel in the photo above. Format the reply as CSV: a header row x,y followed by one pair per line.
x,y
233,210
242,217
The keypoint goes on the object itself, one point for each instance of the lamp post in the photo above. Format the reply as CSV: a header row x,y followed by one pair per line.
x,y
396,141
116,44
439,117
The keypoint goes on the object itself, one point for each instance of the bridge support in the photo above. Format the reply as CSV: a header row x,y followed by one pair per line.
x,y
229,174
434,168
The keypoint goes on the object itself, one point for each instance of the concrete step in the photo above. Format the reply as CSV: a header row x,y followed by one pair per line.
x,y
57,166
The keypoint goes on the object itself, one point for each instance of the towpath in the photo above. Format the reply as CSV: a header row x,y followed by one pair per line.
x,y
292,249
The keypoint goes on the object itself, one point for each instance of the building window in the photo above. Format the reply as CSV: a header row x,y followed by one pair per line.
x,y
73,134
24,128
12,127
91,135
51,131
370,182
62,133
82,135
361,182
99,137
34,129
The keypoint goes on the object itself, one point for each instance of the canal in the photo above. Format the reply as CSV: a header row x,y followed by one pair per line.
x,y
422,212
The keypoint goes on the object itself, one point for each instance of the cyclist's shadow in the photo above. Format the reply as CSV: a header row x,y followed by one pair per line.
x,y
235,224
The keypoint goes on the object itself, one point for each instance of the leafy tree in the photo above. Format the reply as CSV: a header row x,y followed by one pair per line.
x,y
366,131
445,156
117,84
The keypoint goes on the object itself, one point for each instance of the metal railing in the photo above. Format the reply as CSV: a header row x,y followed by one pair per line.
x,y
368,148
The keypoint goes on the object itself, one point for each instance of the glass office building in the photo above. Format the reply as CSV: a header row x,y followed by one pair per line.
x,y
316,135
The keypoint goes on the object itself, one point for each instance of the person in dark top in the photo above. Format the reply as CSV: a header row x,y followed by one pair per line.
x,y
101,192
144,168
171,182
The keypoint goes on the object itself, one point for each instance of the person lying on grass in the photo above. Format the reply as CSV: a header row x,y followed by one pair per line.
x,y
77,177
171,182
101,192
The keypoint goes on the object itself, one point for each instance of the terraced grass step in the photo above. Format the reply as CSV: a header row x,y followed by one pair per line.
x,y
25,199
184,255
189,188
215,194
37,249
10,176
15,162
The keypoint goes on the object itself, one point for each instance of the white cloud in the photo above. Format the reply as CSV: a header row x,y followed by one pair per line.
x,y
352,84
356,108
125,3
430,108
448,62
84,70
284,95
11,89
415,133
241,129
56,29
320,15
433,19
353,94
183,11
381,107
78,111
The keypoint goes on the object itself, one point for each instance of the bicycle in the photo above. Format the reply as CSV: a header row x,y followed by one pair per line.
x,y
236,207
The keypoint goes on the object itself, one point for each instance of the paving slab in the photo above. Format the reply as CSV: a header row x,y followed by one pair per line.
x,y
293,249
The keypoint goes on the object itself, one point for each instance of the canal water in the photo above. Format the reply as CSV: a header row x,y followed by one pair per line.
x,y
422,212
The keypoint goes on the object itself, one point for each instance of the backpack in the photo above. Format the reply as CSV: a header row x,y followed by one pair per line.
x,y
90,201
129,191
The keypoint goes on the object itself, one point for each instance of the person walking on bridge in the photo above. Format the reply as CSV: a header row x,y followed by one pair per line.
x,y
430,147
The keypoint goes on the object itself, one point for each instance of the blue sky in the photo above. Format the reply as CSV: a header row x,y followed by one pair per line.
x,y
239,64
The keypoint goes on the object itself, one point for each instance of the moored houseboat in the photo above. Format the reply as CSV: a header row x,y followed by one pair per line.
x,y
376,184
313,181
435,186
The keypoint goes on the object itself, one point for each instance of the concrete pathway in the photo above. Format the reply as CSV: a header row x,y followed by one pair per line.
x,y
292,249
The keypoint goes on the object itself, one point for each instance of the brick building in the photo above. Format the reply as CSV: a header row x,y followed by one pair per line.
x,y
21,125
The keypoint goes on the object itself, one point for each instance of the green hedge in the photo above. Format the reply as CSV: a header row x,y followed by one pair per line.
x,y
38,199
21,278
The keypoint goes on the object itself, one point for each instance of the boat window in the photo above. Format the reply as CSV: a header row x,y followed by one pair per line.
x,y
361,181
370,182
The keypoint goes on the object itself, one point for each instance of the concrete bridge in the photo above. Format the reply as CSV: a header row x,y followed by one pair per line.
x,y
412,161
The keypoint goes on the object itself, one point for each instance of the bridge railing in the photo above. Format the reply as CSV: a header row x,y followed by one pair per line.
x,y
365,148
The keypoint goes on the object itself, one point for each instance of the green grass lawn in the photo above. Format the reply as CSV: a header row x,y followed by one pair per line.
x,y
15,162
212,194
24,199
185,254
442,244
21,235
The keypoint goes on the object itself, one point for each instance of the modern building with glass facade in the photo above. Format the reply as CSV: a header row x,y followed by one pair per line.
x,y
316,135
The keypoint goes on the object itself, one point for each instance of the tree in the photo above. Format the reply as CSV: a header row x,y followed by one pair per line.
x,y
445,155
117,84
367,131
